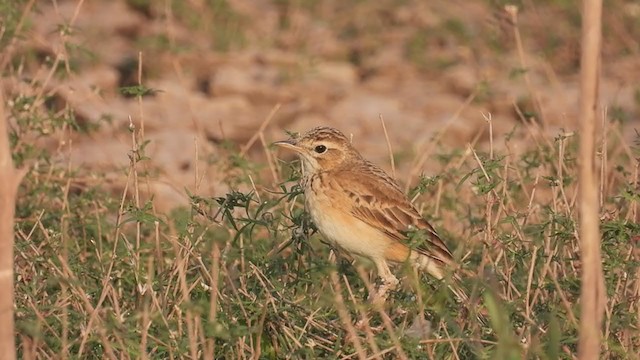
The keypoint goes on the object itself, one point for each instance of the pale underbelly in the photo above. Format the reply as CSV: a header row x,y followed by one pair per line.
x,y
346,231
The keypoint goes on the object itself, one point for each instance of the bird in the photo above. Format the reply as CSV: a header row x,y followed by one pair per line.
x,y
360,208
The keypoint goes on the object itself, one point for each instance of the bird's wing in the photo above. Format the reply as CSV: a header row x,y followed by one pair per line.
x,y
378,201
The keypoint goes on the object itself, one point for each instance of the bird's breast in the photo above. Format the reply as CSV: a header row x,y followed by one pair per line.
x,y
330,211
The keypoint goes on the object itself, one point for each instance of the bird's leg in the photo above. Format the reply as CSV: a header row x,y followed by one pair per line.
x,y
385,273
389,281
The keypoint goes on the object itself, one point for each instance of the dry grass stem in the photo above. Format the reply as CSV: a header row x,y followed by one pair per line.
x,y
593,296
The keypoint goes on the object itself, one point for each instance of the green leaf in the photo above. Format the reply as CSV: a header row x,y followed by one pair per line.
x,y
137,90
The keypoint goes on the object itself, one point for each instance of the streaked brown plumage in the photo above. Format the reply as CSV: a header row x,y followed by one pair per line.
x,y
357,206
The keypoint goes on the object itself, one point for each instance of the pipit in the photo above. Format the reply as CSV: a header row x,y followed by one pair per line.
x,y
357,206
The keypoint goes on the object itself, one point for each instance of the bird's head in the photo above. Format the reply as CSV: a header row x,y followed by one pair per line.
x,y
320,149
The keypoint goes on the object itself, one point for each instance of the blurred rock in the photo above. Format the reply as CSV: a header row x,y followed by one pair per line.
x,y
92,96
259,82
92,35
99,154
175,107
462,80
339,74
170,164
166,197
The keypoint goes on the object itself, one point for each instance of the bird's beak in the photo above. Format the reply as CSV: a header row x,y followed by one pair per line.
x,y
290,144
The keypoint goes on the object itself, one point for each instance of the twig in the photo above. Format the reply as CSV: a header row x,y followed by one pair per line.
x,y
592,297
386,137
344,316
263,126
10,178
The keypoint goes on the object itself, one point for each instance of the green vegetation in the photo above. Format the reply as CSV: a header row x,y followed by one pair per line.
x,y
101,273
243,273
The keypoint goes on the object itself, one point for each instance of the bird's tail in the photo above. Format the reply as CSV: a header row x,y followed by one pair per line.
x,y
438,269
446,271
451,274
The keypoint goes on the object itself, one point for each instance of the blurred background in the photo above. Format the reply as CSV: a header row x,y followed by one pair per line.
x,y
212,72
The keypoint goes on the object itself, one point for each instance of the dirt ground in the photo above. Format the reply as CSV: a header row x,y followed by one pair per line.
x,y
225,71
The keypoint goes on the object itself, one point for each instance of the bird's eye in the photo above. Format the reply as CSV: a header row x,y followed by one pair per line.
x,y
320,149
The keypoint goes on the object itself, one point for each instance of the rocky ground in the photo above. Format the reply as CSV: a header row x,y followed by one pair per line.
x,y
218,69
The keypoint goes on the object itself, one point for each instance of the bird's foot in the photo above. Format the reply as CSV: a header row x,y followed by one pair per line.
x,y
380,295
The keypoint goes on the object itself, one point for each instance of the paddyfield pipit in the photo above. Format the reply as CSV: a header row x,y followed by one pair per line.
x,y
357,206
